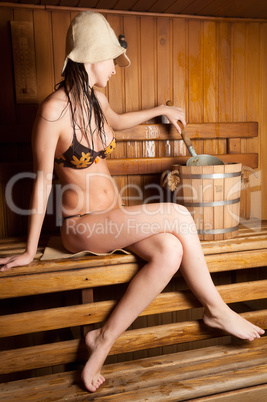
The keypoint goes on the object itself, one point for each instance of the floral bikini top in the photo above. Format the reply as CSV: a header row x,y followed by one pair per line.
x,y
79,156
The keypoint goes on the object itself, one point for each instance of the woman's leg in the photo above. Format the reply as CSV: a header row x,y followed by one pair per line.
x,y
130,225
164,254
138,229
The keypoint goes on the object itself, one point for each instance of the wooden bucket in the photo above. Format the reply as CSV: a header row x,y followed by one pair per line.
x,y
212,195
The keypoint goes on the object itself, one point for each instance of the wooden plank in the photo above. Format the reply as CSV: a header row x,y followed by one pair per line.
x,y
3,213
46,267
133,97
60,24
194,131
210,77
258,393
253,78
197,186
67,351
7,106
263,119
179,361
116,87
238,260
106,4
248,14
224,35
147,54
231,191
196,87
156,131
239,71
236,244
218,196
138,166
210,71
132,74
180,64
44,56
156,375
195,387
90,313
77,279
186,358
25,113
208,196
164,60
155,370
237,145
15,286
87,298
164,376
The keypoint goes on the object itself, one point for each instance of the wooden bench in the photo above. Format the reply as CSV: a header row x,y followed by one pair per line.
x,y
223,371
168,353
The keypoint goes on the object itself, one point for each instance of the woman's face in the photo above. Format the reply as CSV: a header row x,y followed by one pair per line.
x,y
99,73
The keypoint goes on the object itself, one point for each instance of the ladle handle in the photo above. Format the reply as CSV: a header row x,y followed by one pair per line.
x,y
184,136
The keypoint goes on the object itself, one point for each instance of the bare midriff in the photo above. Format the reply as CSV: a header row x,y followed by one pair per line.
x,y
87,190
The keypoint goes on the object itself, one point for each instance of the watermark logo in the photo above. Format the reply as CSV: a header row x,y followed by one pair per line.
x,y
132,194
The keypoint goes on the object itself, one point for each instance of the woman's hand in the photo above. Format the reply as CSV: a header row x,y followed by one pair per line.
x,y
174,115
15,261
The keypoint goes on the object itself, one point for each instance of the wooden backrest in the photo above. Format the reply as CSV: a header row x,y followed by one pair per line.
x,y
142,154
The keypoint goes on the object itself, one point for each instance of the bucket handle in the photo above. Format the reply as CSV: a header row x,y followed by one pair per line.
x,y
245,180
171,179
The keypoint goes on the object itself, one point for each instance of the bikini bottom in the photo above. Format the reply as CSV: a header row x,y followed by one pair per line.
x,y
75,216
81,215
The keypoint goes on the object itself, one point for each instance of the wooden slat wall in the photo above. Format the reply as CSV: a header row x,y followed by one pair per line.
x,y
215,69
194,62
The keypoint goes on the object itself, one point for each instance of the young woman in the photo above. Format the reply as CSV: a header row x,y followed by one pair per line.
x,y
72,133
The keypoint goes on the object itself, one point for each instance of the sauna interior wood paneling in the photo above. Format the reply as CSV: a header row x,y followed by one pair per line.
x,y
215,8
214,68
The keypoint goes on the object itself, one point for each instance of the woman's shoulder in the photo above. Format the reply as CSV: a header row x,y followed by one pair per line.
x,y
54,107
102,99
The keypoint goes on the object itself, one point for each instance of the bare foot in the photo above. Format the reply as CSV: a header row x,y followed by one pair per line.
x,y
233,323
98,351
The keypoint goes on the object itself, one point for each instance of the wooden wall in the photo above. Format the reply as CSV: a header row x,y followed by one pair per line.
x,y
214,68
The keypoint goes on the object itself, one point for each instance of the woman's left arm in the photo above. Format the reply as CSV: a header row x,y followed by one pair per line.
x,y
127,120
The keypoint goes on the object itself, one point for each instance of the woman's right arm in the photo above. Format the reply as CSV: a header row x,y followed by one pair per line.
x,y
44,140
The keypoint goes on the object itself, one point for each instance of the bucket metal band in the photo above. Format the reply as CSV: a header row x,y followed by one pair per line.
x,y
211,176
211,203
219,231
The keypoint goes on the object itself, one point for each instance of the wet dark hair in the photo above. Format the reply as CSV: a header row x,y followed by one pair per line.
x,y
82,101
